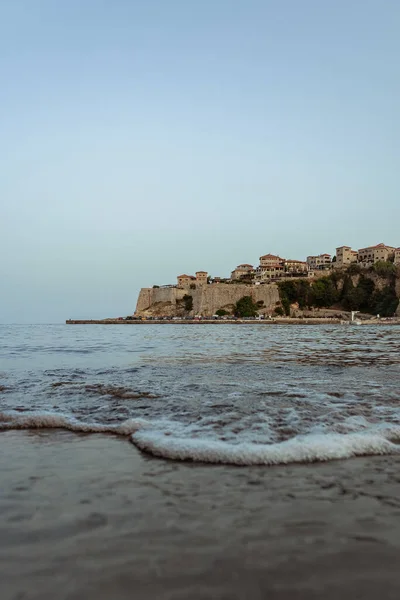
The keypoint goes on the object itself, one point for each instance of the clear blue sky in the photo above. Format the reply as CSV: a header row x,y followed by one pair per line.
x,y
142,139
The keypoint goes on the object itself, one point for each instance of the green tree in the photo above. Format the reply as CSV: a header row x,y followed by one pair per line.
x,y
245,307
324,292
384,302
384,268
221,312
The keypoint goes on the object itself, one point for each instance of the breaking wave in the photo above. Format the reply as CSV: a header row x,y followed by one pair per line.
x,y
156,438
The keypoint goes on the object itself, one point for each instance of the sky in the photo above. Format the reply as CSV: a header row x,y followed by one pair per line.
x,y
142,139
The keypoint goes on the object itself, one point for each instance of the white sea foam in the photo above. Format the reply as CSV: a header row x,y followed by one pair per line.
x,y
170,440
46,420
305,449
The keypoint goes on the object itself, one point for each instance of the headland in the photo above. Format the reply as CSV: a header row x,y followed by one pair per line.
x,y
320,289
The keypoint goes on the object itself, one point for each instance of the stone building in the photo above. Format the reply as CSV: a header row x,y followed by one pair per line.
x,y
270,260
184,281
201,277
274,267
295,266
188,281
319,263
242,271
270,267
344,257
397,256
372,254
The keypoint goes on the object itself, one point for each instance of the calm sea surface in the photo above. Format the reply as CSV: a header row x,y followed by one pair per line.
x,y
230,394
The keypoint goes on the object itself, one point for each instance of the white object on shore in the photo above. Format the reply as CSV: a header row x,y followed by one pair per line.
x,y
353,320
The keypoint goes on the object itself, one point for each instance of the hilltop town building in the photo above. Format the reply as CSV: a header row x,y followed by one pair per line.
x,y
344,257
274,267
270,260
320,262
201,277
372,254
186,281
270,267
242,271
295,266
397,256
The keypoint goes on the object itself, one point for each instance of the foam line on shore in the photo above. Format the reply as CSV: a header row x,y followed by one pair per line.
x,y
148,437
307,449
47,420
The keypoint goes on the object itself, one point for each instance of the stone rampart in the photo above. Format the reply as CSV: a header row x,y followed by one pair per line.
x,y
207,299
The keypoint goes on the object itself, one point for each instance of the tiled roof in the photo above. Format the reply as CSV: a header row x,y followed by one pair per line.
x,y
373,247
201,272
187,276
244,265
270,256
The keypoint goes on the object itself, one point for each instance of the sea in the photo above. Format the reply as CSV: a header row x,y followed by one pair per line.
x,y
241,395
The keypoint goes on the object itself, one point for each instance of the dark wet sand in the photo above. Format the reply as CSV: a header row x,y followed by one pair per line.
x,y
89,517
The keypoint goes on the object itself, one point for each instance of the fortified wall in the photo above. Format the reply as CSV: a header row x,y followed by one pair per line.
x,y
207,299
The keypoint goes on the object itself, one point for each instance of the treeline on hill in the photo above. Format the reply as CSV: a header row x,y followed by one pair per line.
x,y
338,289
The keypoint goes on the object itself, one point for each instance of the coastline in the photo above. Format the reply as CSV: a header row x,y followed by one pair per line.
x,y
206,321
89,516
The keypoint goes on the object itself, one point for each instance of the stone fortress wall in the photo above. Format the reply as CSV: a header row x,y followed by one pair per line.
x,y
207,299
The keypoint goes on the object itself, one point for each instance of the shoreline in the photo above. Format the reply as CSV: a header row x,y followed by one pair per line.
x,y
206,321
89,516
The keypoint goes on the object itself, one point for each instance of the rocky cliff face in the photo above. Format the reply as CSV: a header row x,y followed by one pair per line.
x,y
207,299
397,288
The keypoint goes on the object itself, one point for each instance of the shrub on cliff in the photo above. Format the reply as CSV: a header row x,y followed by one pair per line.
x,y
188,302
323,293
354,269
326,291
383,269
245,307
294,291
221,312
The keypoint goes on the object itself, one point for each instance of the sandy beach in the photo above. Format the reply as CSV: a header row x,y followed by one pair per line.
x,y
89,516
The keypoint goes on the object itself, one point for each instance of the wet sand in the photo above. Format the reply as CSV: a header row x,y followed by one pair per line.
x,y
88,516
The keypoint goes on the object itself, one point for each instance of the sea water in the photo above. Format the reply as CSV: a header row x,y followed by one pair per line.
x,y
234,394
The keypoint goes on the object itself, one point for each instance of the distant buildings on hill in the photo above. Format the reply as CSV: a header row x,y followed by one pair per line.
x,y
187,281
366,256
273,268
320,262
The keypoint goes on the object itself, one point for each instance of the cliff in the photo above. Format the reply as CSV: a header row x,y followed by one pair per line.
x,y
374,290
207,299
